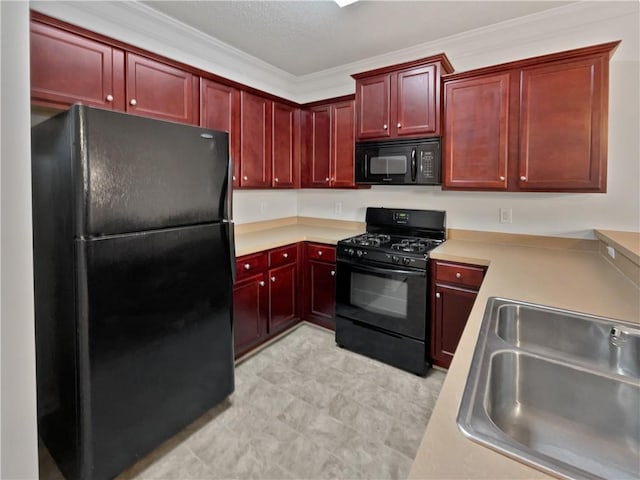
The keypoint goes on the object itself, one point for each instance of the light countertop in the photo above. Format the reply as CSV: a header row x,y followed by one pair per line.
x,y
561,273
579,280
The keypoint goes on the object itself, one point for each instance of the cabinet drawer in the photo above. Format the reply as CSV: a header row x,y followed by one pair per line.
x,y
250,265
282,256
317,251
459,274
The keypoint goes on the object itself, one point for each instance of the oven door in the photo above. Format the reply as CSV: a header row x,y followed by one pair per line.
x,y
383,296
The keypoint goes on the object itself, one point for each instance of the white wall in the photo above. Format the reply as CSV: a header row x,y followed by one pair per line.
x,y
19,455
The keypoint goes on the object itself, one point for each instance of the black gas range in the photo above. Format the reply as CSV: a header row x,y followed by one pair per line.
x,y
382,308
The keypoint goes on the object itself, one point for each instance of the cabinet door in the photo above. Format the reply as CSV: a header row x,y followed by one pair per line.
x,y
282,288
562,137
342,143
416,112
283,147
220,110
250,301
322,293
255,141
158,90
67,68
373,97
319,162
476,130
451,310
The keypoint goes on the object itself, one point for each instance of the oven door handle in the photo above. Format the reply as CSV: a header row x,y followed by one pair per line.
x,y
369,268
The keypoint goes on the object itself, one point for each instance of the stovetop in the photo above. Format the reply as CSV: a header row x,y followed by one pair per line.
x,y
388,249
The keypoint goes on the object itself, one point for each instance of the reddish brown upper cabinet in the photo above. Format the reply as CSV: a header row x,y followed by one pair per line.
x,y
328,160
538,124
454,290
255,141
476,130
67,68
285,145
157,90
220,110
72,65
401,100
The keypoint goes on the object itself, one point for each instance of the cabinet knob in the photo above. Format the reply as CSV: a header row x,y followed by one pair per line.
x,y
333,179
385,126
276,179
273,279
438,295
234,178
133,102
399,125
245,178
458,275
319,253
502,178
326,179
247,266
109,98
261,283
333,273
285,255
523,178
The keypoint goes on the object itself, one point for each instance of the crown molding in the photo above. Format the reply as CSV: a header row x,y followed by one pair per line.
x,y
562,28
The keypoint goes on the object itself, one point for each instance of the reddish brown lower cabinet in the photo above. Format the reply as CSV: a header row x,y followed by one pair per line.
x,y
265,298
250,300
454,290
320,284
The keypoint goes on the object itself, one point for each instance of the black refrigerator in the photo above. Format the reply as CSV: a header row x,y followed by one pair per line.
x,y
134,263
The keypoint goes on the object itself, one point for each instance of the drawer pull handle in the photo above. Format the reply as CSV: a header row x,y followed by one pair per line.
x,y
458,275
333,273
247,266
285,255
438,295
261,283
273,279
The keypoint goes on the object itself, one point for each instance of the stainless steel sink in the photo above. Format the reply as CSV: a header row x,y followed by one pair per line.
x,y
558,390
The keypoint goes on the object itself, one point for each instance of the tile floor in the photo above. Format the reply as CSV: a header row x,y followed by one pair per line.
x,y
303,409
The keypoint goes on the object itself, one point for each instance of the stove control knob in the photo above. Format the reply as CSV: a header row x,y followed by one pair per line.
x,y
395,259
359,253
350,251
406,260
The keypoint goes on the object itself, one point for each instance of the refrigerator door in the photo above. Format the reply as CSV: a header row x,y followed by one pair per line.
x,y
155,339
141,174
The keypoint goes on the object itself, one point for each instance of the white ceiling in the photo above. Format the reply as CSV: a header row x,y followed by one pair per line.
x,y
307,36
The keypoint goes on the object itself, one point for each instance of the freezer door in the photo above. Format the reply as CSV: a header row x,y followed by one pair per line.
x,y
155,347
141,174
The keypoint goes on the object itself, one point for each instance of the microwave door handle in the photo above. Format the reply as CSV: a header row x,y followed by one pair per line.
x,y
413,165
366,165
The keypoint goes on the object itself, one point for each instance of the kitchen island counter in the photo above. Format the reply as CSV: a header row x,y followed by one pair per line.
x,y
575,279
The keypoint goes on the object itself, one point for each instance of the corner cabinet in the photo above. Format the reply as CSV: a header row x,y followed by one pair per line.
x,y
534,125
328,160
401,100
454,290
320,284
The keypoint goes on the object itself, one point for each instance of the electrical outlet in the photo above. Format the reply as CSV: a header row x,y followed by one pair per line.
x,y
506,215
611,251
338,208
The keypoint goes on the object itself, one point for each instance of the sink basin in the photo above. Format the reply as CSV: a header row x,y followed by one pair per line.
x,y
584,338
557,390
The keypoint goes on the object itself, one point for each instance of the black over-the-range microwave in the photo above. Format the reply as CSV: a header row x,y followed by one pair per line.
x,y
398,162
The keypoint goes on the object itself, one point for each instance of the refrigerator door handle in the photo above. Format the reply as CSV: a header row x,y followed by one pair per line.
x,y
232,250
228,205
